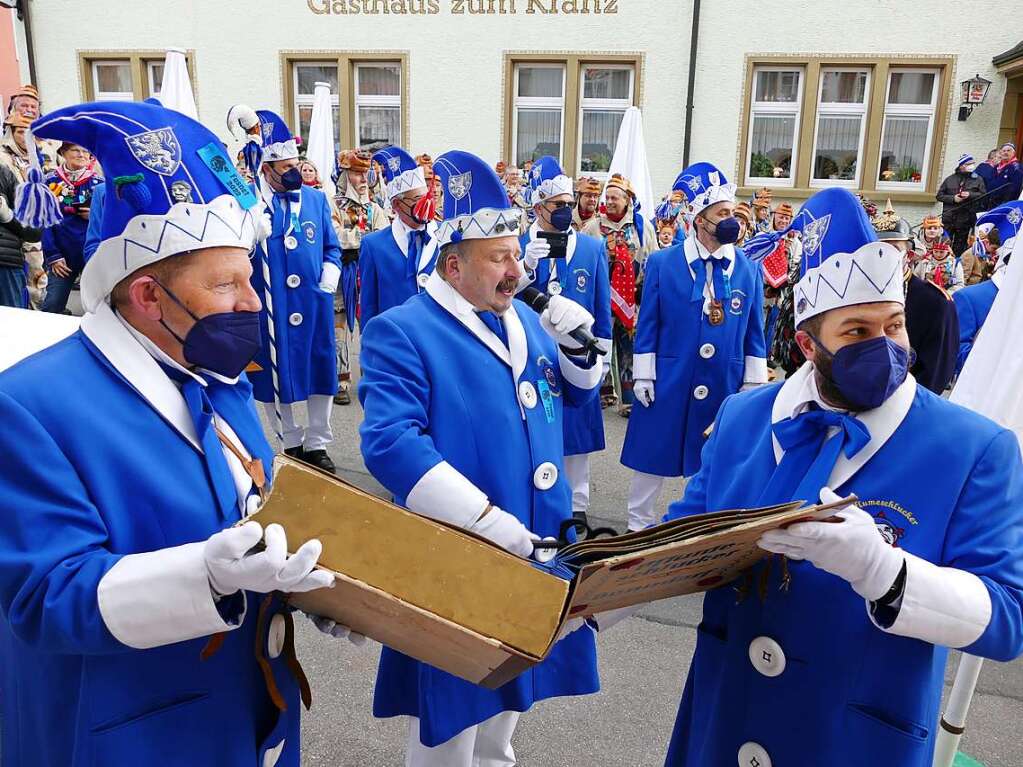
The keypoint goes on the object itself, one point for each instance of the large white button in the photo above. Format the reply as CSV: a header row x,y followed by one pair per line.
x,y
422,279
527,395
294,280
753,755
295,319
275,640
766,656
707,351
545,476
554,288
701,392
290,242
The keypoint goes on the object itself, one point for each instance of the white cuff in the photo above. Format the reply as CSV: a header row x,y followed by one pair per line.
x,y
329,277
444,494
582,378
644,366
160,597
755,373
942,605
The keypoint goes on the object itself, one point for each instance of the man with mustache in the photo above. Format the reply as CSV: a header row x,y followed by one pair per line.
x,y
463,390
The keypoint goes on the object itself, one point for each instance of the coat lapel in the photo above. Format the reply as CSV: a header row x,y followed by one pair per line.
x,y
463,311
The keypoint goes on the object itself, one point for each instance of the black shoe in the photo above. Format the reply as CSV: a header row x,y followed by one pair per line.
x,y
342,397
581,516
294,452
320,460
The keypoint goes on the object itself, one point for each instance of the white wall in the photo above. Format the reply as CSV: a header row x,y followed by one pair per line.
x,y
456,62
456,69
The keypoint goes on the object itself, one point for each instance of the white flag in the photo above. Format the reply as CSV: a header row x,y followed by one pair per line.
x,y
320,150
176,88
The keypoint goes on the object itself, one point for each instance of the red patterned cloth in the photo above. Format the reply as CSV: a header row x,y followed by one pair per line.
x,y
623,281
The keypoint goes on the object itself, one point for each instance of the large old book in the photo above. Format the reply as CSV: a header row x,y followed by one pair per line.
x,y
456,601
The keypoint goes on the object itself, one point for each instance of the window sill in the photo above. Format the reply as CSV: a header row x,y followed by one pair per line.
x,y
802,193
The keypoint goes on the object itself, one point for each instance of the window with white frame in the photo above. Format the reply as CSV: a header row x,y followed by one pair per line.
x,y
841,114
607,91
378,102
111,81
539,110
306,74
154,74
773,129
908,128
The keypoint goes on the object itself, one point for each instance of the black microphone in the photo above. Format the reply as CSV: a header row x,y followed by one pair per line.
x,y
538,300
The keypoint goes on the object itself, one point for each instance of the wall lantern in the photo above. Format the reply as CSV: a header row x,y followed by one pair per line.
x,y
972,93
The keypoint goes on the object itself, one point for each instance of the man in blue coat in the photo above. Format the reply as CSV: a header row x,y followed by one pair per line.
x,y
580,274
699,339
464,392
396,262
838,657
975,303
119,551
298,361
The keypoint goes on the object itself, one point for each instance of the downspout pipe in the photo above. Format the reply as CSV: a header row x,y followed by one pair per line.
x,y
694,42
26,18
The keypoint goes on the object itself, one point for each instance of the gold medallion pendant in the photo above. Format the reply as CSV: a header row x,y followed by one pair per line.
x,y
717,313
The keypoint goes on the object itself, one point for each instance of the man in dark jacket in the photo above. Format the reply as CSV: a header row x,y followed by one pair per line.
x,y
958,195
987,170
13,290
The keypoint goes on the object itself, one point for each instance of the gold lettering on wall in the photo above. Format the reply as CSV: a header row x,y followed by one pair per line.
x,y
460,7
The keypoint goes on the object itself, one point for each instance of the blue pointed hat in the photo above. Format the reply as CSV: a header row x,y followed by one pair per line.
x,y
843,262
171,187
1008,220
401,171
547,179
703,185
476,205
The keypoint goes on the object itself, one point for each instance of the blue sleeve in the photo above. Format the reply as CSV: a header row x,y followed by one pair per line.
x,y
331,246
602,298
369,288
967,327
649,310
395,395
755,345
985,537
51,251
52,544
93,235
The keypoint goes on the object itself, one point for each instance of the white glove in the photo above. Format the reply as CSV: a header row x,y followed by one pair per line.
x,y
506,531
336,630
231,568
535,250
561,317
6,214
643,389
852,549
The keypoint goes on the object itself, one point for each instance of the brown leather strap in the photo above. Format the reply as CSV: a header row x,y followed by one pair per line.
x,y
262,660
213,645
291,658
253,466
951,727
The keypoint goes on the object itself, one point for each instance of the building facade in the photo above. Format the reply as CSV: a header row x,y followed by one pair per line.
x,y
790,95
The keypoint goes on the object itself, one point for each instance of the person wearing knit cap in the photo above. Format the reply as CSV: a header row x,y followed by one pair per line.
x,y
931,320
960,196
302,257
628,239
396,262
128,553
935,260
463,389
587,200
354,215
580,275
836,654
699,340
1008,182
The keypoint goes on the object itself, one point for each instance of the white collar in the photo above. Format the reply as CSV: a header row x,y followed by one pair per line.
x,y
132,360
797,392
400,231
513,355
534,228
701,252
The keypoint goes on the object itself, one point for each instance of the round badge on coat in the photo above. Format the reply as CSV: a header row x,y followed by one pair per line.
x,y
554,288
290,242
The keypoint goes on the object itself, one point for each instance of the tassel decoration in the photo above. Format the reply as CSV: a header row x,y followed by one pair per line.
x,y
35,205
132,190
426,208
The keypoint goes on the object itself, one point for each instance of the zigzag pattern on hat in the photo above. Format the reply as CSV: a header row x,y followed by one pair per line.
x,y
480,225
810,300
410,179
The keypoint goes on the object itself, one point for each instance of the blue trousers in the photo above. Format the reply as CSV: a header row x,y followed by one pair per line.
x,y
13,287
58,290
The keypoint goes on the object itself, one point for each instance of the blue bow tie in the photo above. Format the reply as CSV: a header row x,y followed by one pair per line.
x,y
813,425
288,196
719,267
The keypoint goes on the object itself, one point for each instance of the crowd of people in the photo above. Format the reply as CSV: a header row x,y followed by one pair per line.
x,y
208,284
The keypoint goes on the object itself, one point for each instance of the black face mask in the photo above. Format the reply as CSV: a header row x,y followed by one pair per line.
x,y
291,179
